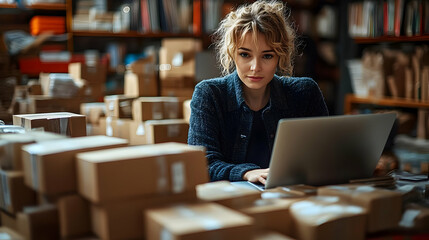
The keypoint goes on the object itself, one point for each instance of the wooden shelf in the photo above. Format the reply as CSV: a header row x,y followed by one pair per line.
x,y
130,34
47,6
7,5
385,101
391,39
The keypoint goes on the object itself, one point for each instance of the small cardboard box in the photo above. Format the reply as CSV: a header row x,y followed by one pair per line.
x,y
92,74
93,111
148,108
137,133
167,130
15,194
118,106
165,168
74,215
116,127
64,123
271,214
177,92
50,167
144,66
384,206
136,85
327,218
46,104
11,144
124,219
197,221
39,222
178,82
227,194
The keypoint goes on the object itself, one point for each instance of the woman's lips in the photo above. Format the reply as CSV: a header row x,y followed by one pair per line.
x,y
255,79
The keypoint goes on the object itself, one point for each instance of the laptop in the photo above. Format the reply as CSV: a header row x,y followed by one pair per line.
x,y
327,150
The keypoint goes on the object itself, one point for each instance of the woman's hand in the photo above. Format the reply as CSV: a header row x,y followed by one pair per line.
x,y
257,175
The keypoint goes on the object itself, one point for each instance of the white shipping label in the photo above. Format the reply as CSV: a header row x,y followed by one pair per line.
x,y
178,177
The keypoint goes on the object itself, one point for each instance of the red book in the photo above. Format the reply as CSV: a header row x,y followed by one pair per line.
x,y
385,19
196,17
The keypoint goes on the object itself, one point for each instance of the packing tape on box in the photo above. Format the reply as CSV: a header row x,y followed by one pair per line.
x,y
162,176
173,130
34,171
5,190
157,111
207,222
109,129
64,125
409,217
140,129
178,177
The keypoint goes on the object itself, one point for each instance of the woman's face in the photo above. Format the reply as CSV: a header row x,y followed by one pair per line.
x,y
256,63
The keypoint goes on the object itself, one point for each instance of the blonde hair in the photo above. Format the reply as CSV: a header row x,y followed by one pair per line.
x,y
267,17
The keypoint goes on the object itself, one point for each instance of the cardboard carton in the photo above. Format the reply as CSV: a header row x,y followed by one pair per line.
x,y
50,168
74,215
47,104
15,194
10,147
92,74
40,222
93,111
124,219
137,133
118,106
197,221
136,85
327,218
227,194
167,130
177,92
148,108
384,206
64,123
115,127
114,174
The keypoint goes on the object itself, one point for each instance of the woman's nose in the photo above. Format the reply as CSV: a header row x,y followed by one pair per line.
x,y
255,65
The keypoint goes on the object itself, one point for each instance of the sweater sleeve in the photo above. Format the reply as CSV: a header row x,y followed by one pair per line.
x,y
205,130
316,105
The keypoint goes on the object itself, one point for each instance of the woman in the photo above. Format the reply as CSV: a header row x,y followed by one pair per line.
x,y
235,117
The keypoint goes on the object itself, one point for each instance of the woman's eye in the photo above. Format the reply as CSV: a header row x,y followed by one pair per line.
x,y
243,54
268,56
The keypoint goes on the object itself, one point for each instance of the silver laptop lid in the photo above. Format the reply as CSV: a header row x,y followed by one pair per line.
x,y
328,150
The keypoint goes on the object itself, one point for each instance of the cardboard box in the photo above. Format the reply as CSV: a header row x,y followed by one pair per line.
x,y
148,108
384,206
137,133
227,194
93,111
271,214
64,123
173,107
39,222
144,66
92,74
124,219
8,220
177,92
114,174
187,110
178,82
74,215
50,167
115,127
9,234
10,147
327,218
415,218
15,194
270,235
167,130
197,221
177,57
137,85
47,104
118,106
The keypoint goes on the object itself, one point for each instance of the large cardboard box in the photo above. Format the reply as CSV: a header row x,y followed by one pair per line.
x,y
167,130
74,216
227,194
64,123
47,104
177,57
328,218
148,108
384,206
177,92
197,221
14,193
92,74
124,219
115,127
118,106
10,147
144,66
137,85
39,222
50,167
114,174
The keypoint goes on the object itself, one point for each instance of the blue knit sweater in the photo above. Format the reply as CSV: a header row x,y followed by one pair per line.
x,y
222,122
